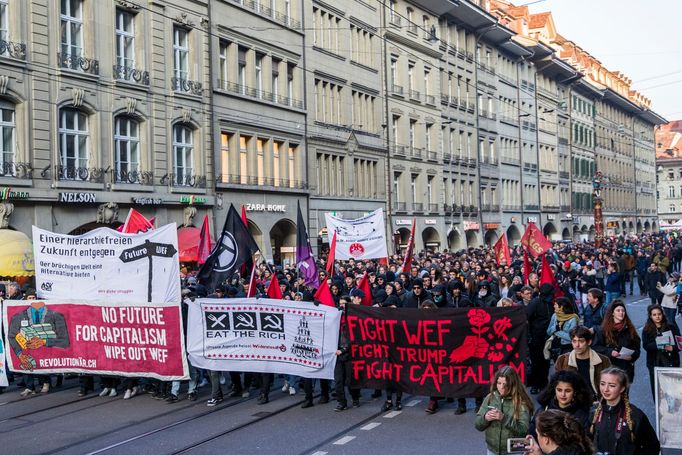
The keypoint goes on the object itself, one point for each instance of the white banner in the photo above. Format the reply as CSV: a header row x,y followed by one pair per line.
x,y
3,373
107,265
263,336
363,238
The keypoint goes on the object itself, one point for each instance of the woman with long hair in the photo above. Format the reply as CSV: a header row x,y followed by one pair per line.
x,y
505,286
560,325
617,426
617,332
559,433
567,391
659,354
505,412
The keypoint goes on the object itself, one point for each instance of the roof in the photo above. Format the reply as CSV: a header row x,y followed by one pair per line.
x,y
539,20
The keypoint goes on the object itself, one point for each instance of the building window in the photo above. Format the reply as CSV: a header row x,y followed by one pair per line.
x,y
125,43
224,77
7,141
671,191
71,29
4,21
671,208
259,75
241,74
225,157
292,165
243,159
275,80
413,187
183,153
180,55
126,149
276,163
73,142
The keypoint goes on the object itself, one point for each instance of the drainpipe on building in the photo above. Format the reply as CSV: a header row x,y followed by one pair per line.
x,y
389,175
211,122
305,136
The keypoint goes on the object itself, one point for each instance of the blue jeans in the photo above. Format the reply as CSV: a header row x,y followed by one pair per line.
x,y
610,296
193,379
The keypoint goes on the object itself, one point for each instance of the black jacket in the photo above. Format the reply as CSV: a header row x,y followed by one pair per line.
x,y
413,300
623,339
656,357
607,439
539,313
650,280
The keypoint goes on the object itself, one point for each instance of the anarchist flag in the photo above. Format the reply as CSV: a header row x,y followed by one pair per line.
x,y
305,262
234,247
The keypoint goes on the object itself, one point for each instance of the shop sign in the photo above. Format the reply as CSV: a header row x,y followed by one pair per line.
x,y
612,224
79,197
550,217
192,199
403,222
280,208
430,222
491,226
471,226
532,219
7,194
147,201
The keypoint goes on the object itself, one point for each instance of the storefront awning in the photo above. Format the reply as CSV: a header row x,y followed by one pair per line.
x,y
188,243
16,254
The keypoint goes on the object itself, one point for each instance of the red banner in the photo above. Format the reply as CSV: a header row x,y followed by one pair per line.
x,y
445,352
502,251
534,241
48,337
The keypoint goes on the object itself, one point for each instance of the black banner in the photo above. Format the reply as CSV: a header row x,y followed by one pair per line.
x,y
444,352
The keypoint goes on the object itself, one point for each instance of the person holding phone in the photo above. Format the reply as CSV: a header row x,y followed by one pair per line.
x,y
505,412
558,433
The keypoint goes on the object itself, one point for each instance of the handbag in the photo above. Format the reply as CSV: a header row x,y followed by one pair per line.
x,y
547,350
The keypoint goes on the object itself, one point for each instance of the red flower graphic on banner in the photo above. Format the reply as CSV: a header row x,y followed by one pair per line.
x,y
478,318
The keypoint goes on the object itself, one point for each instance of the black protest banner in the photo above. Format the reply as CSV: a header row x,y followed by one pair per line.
x,y
445,352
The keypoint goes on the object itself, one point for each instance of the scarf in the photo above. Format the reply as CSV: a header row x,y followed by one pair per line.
x,y
619,326
562,317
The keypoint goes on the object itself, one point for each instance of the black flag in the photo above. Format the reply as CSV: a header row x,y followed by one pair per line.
x,y
234,247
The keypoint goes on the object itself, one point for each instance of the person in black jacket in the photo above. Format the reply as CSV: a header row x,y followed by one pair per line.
x,y
457,298
342,370
616,332
617,426
539,313
415,298
567,391
659,355
559,433
485,297
653,276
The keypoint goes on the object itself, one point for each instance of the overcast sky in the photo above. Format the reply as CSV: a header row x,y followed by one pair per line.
x,y
636,37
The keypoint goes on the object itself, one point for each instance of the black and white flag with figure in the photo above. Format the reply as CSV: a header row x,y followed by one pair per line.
x,y
234,247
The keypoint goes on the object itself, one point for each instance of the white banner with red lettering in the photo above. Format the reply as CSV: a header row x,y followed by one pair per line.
x,y
263,336
362,238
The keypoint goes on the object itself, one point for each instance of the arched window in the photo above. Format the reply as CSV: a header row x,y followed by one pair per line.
x,y
126,149
74,144
8,144
183,155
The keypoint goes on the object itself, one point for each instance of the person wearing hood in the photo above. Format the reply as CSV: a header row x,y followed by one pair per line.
x,y
392,300
539,313
418,294
669,300
456,295
485,297
438,296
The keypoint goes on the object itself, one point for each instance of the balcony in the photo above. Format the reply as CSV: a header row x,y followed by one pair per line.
x,y
238,179
532,207
132,177
412,28
430,99
445,100
22,171
472,162
417,206
433,208
416,153
78,63
547,93
565,208
490,207
259,94
431,155
184,180
83,174
13,50
399,206
397,90
394,19
185,85
125,73
550,208
414,95
510,160
399,150
264,10
563,174
511,208
447,158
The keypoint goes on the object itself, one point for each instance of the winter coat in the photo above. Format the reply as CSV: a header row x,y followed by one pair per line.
x,y
642,265
623,339
663,262
669,292
562,332
582,415
588,280
413,300
651,279
539,312
656,357
613,280
607,439
497,432
598,363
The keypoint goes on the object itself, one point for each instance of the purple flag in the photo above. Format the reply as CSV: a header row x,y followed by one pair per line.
x,y
305,263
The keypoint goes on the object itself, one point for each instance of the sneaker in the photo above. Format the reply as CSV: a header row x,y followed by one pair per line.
x,y
159,396
27,392
292,391
213,401
307,404
356,403
203,383
192,396
285,387
387,406
113,392
323,399
135,391
105,391
432,408
128,395
46,388
263,399
340,407
460,410
246,394
172,398
398,406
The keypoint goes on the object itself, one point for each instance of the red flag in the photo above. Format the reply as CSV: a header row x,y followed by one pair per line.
x,y
527,267
136,223
274,292
332,256
534,241
252,283
407,262
501,249
324,295
204,249
244,266
547,276
363,285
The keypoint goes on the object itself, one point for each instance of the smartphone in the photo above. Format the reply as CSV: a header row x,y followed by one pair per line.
x,y
518,445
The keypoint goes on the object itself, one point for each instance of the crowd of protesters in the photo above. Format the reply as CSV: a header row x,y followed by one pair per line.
x,y
586,333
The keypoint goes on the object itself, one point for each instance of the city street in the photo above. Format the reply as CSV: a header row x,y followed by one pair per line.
x,y
62,423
